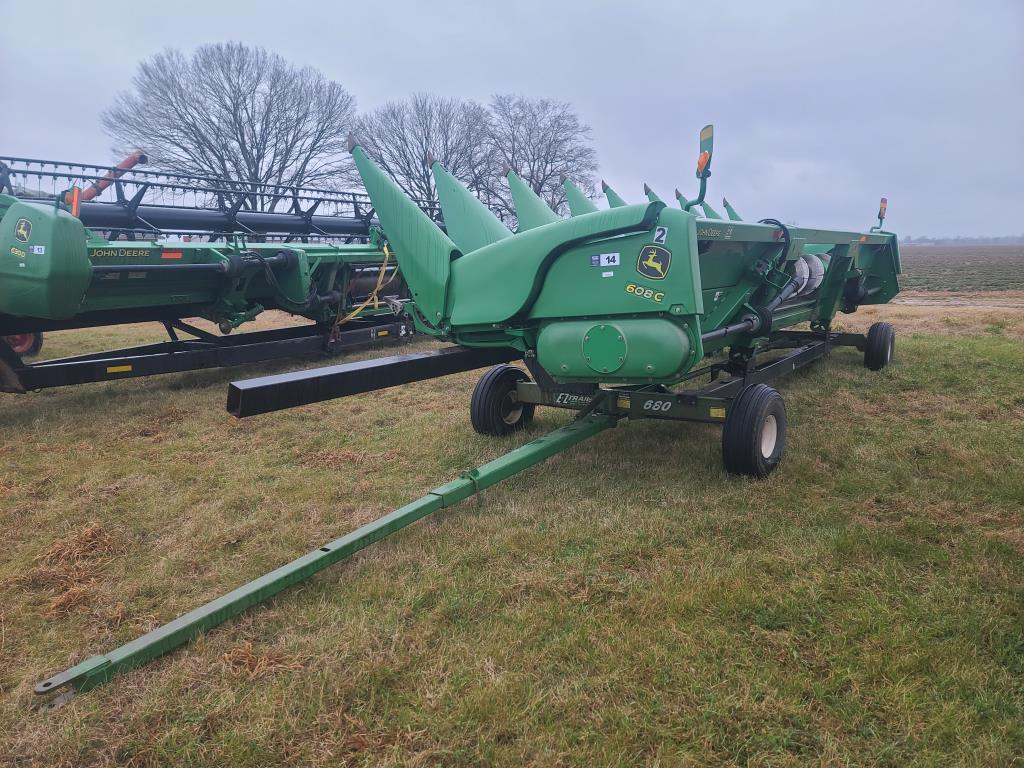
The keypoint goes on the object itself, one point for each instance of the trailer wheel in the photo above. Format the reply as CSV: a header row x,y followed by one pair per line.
x,y
754,436
495,410
25,344
880,346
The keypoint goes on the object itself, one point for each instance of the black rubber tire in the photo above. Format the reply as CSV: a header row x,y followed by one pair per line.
x,y
494,409
754,435
880,346
37,345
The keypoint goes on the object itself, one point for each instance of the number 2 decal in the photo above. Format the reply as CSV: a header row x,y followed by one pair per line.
x,y
660,233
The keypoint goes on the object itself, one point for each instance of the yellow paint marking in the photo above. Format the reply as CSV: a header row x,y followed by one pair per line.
x,y
119,369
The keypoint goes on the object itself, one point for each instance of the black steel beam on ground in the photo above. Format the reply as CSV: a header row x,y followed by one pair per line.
x,y
198,354
287,390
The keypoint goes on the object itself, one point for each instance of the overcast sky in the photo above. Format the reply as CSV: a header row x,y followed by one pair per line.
x,y
819,107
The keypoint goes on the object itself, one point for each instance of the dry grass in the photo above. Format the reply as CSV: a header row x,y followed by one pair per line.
x,y
69,570
625,603
88,543
245,661
334,459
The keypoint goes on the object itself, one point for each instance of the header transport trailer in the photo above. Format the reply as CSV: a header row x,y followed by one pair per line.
x,y
612,312
171,247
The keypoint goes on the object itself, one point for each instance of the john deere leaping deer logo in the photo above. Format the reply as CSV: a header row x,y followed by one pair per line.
x,y
653,262
23,230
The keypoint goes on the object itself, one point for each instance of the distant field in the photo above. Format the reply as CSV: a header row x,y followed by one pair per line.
x,y
962,267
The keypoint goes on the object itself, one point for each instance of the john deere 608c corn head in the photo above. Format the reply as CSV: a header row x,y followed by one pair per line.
x,y
612,311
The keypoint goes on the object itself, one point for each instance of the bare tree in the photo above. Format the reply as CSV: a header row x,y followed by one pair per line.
x,y
542,141
403,136
236,112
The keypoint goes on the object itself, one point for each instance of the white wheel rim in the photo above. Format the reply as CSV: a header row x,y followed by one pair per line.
x,y
769,436
511,408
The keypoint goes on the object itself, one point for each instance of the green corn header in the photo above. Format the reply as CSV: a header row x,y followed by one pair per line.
x,y
631,295
640,311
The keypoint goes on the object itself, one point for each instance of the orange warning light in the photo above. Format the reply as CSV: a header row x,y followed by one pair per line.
x,y
702,162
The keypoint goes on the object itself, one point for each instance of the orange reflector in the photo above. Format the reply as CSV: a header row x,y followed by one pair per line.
x,y
863,238
702,162
76,199
171,255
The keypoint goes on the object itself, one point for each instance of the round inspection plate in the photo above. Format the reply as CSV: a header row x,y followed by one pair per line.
x,y
604,348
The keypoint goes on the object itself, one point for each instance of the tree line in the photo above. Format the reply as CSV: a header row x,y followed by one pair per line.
x,y
247,114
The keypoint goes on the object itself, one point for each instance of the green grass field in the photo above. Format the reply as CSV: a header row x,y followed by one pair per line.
x,y
626,603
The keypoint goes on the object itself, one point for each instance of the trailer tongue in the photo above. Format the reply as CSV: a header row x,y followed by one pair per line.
x,y
99,669
611,311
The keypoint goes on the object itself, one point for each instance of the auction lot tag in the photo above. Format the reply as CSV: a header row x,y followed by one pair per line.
x,y
605,260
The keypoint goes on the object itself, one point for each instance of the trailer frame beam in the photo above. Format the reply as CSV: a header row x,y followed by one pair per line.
x,y
208,351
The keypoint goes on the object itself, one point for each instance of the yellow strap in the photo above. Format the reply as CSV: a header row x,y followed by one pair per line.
x,y
373,294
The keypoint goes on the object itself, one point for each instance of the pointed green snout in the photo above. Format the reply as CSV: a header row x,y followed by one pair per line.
x,y
614,201
531,210
710,212
468,221
579,203
424,252
730,211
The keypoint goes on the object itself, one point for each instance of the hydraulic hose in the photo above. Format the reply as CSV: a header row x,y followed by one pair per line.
x,y
755,321
749,323
787,291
